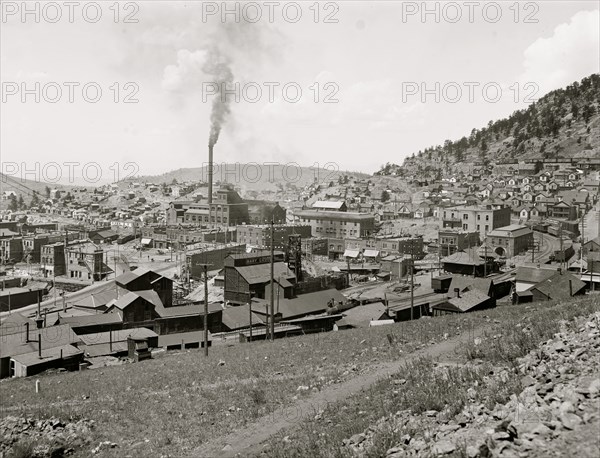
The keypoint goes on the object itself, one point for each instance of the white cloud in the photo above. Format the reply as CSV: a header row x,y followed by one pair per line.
x,y
570,54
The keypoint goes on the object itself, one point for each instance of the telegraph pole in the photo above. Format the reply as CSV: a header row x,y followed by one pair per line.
x,y
205,307
412,279
250,316
272,281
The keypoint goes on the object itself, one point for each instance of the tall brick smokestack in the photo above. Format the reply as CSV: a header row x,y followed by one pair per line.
x,y
210,173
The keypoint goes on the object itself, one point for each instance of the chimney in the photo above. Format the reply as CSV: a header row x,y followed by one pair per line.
x,y
456,292
210,173
39,321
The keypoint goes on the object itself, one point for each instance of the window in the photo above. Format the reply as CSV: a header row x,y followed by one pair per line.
x,y
487,218
487,228
465,216
478,218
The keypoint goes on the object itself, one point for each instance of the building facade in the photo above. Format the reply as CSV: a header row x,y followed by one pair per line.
x,y
259,236
337,224
511,240
453,240
482,219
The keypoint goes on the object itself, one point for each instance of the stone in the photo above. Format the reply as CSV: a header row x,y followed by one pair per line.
x,y
357,439
528,380
594,387
443,447
395,451
566,407
501,436
569,420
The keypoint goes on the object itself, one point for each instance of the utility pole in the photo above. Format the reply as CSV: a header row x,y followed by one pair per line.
x,y
412,279
561,245
250,316
272,298
485,260
205,307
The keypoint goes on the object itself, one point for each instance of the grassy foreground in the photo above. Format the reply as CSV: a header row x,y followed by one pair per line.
x,y
176,402
514,332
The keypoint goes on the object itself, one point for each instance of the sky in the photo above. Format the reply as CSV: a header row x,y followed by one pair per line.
x,y
378,81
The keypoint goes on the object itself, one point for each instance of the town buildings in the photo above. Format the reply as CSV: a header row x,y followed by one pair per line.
x,y
227,209
259,236
337,224
453,240
510,240
482,219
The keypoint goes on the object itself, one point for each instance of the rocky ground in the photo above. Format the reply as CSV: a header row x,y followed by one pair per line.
x,y
29,437
556,414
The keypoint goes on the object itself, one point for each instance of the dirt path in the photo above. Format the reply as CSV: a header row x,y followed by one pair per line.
x,y
248,440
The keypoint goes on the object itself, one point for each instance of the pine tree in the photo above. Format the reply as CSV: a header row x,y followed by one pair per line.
x,y
12,205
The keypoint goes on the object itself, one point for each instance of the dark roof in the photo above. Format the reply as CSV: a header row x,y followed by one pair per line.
x,y
102,298
186,310
309,303
468,300
52,336
469,283
533,274
88,320
126,278
362,315
187,337
50,354
239,317
560,286
121,335
461,257
261,273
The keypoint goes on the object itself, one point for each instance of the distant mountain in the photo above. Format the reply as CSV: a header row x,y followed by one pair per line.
x,y
565,123
255,177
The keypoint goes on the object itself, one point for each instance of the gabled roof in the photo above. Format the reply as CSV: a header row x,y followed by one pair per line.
x,y
469,284
126,278
468,300
362,315
560,286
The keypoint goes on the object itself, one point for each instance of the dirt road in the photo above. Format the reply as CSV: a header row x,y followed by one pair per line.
x,y
248,440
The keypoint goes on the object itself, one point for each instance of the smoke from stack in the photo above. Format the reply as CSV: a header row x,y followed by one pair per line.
x,y
217,66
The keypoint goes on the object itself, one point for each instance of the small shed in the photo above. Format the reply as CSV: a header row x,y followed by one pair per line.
x,y
28,364
137,348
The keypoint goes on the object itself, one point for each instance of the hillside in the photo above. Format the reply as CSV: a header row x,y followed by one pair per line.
x,y
279,398
564,123
26,188
254,176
